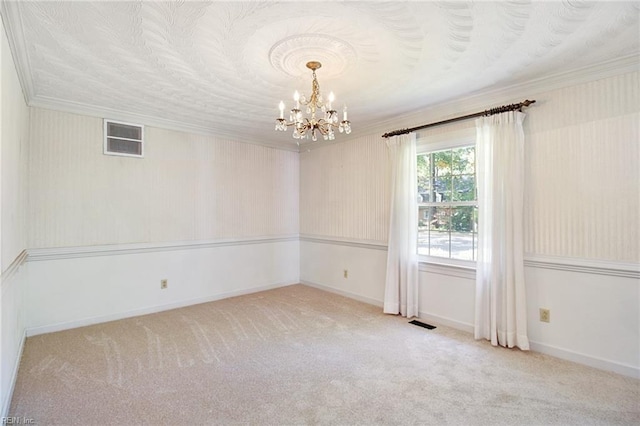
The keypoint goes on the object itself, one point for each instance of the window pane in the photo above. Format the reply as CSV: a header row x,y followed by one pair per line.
x,y
463,161
462,246
462,219
439,243
423,229
439,219
464,188
424,180
462,237
442,189
442,163
447,177
428,197
424,214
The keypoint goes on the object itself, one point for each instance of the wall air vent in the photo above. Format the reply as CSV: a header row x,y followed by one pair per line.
x,y
123,139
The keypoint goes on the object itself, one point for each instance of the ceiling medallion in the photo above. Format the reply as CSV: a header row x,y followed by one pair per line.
x,y
311,125
289,54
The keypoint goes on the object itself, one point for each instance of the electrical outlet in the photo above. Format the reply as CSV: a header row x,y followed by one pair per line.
x,y
164,284
346,273
545,315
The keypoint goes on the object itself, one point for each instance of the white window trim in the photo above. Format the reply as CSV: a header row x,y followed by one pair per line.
x,y
443,261
449,140
106,122
443,141
467,272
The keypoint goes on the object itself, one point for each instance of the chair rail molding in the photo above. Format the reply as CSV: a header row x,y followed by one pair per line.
x,y
56,253
587,266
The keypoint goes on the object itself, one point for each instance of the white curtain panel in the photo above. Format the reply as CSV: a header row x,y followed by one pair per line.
x,y
401,290
500,290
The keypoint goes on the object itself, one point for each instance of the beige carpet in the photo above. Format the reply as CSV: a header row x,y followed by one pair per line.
x,y
298,355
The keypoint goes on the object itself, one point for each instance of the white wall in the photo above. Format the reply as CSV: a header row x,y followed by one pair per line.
x,y
323,265
14,118
595,318
13,325
71,288
581,225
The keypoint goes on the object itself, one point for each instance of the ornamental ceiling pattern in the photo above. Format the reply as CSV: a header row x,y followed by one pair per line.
x,y
222,67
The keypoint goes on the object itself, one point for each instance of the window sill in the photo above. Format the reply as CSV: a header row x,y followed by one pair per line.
x,y
461,269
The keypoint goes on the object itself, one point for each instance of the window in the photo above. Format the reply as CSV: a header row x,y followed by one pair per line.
x,y
447,203
123,139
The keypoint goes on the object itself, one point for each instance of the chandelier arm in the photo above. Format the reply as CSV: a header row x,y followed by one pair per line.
x,y
323,126
292,123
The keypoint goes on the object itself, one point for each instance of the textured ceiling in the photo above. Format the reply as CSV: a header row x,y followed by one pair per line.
x,y
222,67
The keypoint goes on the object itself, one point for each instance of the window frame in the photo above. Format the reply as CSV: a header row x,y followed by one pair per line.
x,y
449,140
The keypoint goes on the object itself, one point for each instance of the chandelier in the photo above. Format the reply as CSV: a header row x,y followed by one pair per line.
x,y
312,125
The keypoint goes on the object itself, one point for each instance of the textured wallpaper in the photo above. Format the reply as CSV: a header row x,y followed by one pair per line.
x,y
14,122
582,176
583,171
582,183
187,187
345,190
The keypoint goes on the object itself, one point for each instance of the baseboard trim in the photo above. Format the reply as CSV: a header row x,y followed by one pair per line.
x,y
447,322
602,364
599,363
34,331
554,351
6,403
57,253
348,294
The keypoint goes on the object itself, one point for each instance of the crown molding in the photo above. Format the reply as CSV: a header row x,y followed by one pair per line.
x,y
492,97
12,23
498,95
13,27
147,120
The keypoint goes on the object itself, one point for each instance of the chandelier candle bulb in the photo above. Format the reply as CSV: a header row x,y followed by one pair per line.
x,y
344,110
281,106
296,97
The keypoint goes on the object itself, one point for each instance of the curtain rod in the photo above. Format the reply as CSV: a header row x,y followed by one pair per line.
x,y
487,112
